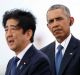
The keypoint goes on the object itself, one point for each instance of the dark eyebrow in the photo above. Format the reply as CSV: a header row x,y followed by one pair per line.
x,y
58,18
12,26
51,20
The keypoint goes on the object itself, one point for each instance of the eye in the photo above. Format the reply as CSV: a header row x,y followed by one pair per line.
x,y
12,28
51,21
6,29
59,18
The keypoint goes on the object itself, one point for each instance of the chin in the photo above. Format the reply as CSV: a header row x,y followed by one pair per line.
x,y
58,37
12,48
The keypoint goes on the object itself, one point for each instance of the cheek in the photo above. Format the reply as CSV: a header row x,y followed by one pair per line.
x,y
65,25
66,30
6,36
50,27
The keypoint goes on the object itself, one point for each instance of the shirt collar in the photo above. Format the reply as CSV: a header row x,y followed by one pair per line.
x,y
21,54
64,43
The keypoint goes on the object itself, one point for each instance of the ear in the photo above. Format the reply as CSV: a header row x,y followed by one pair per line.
x,y
48,26
29,34
71,21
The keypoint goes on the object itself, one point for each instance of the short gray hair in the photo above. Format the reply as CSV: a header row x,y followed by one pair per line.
x,y
59,6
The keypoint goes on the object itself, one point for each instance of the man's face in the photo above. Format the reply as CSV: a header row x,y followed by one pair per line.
x,y
14,36
58,23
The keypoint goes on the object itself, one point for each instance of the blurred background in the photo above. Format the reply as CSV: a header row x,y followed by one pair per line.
x,y
42,35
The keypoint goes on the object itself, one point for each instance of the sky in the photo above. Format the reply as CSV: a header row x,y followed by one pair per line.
x,y
42,35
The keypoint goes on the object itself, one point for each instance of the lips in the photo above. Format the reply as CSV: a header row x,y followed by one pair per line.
x,y
10,42
57,30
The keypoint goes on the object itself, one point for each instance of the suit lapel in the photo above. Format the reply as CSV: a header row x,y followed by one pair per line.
x,y
53,59
51,52
8,70
68,55
25,60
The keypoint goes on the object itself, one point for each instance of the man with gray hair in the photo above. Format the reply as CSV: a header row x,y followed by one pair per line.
x,y
64,52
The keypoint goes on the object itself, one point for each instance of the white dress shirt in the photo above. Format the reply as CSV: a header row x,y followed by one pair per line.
x,y
64,44
21,54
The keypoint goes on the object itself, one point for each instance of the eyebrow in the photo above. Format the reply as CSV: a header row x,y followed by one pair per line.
x,y
57,18
12,26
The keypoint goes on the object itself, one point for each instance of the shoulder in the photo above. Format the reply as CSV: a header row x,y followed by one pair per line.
x,y
48,47
40,56
9,64
40,64
39,59
75,41
10,61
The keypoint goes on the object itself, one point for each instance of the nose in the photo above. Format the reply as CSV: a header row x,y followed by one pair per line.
x,y
55,23
9,33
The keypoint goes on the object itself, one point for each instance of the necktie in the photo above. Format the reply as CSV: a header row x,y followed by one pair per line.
x,y
58,58
14,66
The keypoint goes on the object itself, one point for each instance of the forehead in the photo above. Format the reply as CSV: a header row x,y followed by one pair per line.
x,y
55,13
11,22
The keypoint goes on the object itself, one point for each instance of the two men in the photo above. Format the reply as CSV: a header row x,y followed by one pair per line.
x,y
59,21
19,28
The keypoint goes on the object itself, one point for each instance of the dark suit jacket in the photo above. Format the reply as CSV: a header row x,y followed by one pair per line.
x,y
34,62
70,64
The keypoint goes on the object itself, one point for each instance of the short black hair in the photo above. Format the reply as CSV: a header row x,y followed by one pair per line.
x,y
26,19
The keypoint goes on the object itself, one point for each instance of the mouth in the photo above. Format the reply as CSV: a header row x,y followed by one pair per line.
x,y
10,42
57,31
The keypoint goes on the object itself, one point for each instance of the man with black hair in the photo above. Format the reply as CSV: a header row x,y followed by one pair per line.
x,y
19,28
